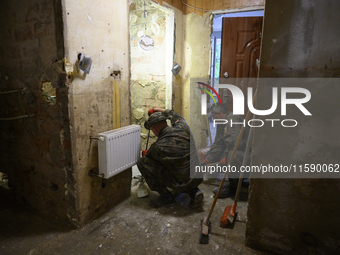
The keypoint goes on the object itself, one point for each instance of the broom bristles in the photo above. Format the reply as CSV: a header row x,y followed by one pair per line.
x,y
231,219
205,230
231,215
204,239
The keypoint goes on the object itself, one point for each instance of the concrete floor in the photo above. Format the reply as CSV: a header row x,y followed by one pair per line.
x,y
131,227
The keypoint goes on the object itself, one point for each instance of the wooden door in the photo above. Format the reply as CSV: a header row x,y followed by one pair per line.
x,y
240,52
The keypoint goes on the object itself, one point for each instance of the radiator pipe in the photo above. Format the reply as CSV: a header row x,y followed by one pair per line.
x,y
147,141
18,117
101,138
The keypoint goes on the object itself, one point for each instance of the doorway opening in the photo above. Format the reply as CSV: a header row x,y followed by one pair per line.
x,y
235,44
216,50
216,38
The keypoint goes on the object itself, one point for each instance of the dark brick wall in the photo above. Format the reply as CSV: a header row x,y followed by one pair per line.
x,y
36,151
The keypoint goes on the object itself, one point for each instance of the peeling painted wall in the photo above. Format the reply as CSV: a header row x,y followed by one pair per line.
x,y
197,52
101,30
298,216
178,58
35,152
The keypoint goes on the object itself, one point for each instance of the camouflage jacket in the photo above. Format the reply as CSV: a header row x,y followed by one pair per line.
x,y
226,137
172,149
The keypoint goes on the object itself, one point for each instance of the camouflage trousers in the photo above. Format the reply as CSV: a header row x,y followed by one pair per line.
x,y
236,163
160,178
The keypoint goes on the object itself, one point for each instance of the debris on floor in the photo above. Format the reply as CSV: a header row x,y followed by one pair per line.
x,y
131,227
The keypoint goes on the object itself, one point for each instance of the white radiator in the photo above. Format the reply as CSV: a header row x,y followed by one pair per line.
x,y
118,150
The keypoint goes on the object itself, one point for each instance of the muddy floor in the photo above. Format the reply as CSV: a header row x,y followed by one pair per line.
x,y
131,227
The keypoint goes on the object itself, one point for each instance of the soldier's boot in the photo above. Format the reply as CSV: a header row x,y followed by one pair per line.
x,y
165,198
196,196
226,191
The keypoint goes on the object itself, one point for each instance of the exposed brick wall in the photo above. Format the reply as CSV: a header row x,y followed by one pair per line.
x,y
35,151
148,68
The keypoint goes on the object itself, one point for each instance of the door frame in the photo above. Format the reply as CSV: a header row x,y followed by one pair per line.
x,y
213,38
245,9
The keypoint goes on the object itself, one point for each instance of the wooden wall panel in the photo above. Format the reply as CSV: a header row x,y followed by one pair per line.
x,y
210,5
175,3
199,5
217,4
206,4
178,4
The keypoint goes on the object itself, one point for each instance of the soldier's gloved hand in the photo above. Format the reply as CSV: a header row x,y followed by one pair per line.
x,y
205,162
223,162
151,111
144,152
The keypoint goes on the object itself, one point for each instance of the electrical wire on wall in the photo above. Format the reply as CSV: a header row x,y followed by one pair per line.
x,y
199,9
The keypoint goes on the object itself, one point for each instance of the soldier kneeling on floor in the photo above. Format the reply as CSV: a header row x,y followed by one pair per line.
x,y
167,163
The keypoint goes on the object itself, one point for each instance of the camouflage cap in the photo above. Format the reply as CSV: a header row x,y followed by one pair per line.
x,y
154,118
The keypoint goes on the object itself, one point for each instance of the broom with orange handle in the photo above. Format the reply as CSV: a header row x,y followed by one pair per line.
x,y
205,222
229,215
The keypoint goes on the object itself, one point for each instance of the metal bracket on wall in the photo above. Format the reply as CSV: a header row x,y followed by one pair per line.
x,y
101,138
85,62
93,172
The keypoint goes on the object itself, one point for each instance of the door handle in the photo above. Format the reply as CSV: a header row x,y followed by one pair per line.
x,y
226,75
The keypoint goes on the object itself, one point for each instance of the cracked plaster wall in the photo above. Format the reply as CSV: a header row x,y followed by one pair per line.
x,y
99,29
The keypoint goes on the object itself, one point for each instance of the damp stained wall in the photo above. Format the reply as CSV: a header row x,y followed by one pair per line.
x,y
35,152
177,88
99,29
298,216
